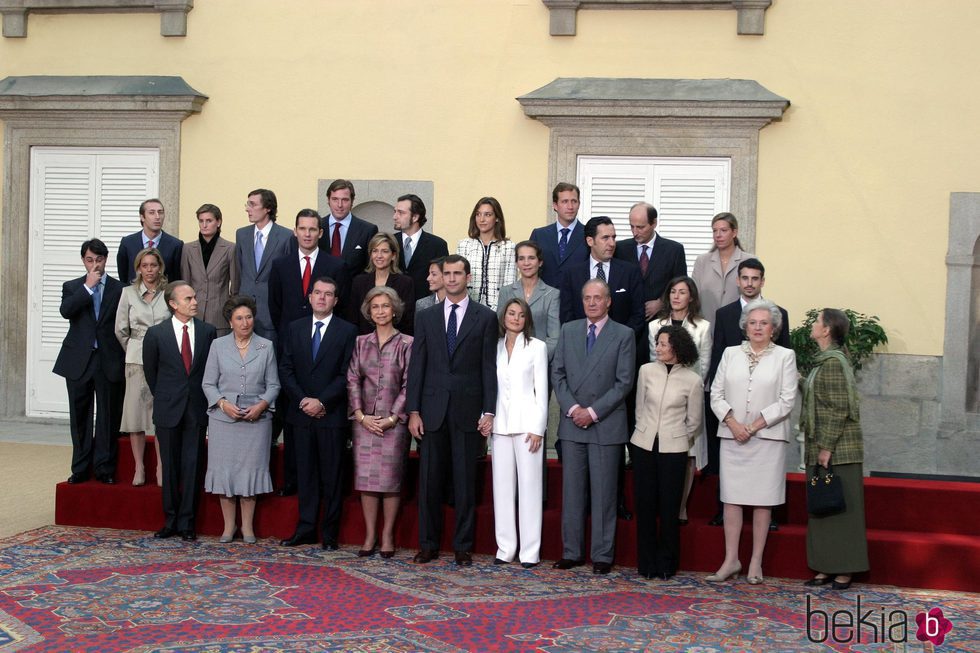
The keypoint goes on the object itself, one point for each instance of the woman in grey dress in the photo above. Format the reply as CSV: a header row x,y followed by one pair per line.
x,y
140,307
542,299
241,383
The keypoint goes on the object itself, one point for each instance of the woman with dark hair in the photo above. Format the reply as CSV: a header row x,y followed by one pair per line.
x,y
542,300
715,271
140,307
669,418
241,383
752,395
437,288
382,270
490,254
208,264
836,545
682,307
519,425
376,384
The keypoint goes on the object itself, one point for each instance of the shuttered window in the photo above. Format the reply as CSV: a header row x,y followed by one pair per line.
x,y
76,194
687,192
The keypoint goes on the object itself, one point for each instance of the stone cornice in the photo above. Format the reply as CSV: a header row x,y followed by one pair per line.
x,y
751,13
173,13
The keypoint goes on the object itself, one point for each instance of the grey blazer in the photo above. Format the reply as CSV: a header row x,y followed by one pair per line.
x,y
544,304
228,375
214,284
255,283
600,379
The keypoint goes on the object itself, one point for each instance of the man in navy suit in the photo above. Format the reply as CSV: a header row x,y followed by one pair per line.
x,y
175,353
452,395
727,333
623,278
562,243
290,283
256,247
416,248
92,362
316,353
152,235
345,235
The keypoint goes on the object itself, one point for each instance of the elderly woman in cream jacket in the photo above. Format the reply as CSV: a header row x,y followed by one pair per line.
x,y
518,435
669,417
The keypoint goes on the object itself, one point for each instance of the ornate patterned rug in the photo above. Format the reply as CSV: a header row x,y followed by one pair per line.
x,y
84,589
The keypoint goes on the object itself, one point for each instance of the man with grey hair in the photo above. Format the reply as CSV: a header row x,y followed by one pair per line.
x,y
592,373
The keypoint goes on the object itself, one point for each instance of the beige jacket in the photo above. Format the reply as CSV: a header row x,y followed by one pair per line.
x,y
670,406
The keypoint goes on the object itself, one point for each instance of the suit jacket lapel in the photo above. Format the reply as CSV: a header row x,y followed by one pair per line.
x,y
328,332
599,351
469,321
270,242
574,242
199,357
351,241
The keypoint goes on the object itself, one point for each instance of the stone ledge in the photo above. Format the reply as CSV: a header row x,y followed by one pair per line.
x,y
98,93
563,14
173,13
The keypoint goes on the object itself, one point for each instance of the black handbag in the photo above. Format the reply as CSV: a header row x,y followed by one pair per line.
x,y
824,492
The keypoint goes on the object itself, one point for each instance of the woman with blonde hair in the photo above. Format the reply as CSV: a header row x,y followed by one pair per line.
x,y
382,270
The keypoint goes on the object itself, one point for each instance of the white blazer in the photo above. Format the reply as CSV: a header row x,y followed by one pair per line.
x,y
770,391
522,388
700,333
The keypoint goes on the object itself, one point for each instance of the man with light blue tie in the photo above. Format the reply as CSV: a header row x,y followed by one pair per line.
x,y
344,234
562,243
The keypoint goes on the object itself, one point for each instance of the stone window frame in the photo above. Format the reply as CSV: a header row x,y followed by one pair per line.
x,y
659,117
563,13
35,114
173,13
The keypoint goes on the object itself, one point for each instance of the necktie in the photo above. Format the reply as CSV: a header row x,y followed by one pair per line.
x,y
307,273
644,260
316,338
563,242
259,248
185,350
335,240
590,339
451,331
97,299
149,244
407,248
600,273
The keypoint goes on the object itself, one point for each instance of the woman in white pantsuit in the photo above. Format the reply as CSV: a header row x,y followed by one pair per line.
x,y
518,436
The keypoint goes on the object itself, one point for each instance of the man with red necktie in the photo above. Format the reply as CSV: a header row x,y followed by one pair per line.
x,y
344,234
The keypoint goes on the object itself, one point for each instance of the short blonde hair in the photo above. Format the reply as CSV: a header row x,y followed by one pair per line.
x,y
382,237
397,305
142,254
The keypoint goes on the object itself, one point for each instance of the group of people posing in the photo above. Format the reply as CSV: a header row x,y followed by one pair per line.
x,y
335,331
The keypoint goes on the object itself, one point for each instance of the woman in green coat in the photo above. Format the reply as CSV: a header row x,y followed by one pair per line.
x,y
836,545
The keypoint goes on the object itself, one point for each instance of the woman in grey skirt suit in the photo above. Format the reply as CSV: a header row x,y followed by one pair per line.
x,y
542,299
241,383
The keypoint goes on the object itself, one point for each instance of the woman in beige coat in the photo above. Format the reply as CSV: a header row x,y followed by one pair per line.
x,y
209,265
669,416
716,271
140,307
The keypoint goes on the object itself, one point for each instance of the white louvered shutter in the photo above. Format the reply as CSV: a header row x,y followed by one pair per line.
x,y
687,192
76,194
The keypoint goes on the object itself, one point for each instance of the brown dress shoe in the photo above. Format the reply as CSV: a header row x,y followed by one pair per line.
x,y
425,556
464,559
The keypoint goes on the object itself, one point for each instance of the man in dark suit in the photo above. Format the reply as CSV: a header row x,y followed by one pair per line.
x,y
416,248
660,259
92,362
592,373
623,278
562,243
345,235
175,353
290,283
256,247
728,333
152,235
316,354
452,395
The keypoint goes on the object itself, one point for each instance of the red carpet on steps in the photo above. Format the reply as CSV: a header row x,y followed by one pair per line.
x,y
920,533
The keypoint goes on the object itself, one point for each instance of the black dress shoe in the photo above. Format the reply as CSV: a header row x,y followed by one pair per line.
x,y
106,478
818,581
682,522
567,563
773,526
165,532
329,545
623,513
299,540
188,535
841,586
287,491
717,520
425,556
498,561
530,565
601,567
464,559
77,478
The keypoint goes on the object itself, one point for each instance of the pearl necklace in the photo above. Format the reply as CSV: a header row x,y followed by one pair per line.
x,y
245,346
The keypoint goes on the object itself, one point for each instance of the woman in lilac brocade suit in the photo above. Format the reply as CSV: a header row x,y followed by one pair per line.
x,y
376,382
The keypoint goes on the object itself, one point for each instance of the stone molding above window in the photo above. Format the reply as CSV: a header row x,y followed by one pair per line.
x,y
751,13
659,117
173,13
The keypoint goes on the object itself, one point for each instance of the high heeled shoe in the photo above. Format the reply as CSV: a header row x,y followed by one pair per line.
x,y
719,577
841,586
226,539
139,479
